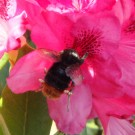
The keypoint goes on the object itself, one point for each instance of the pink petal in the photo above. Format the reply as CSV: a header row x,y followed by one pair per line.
x,y
7,8
103,82
17,25
16,28
28,70
101,5
74,121
1,53
75,5
51,31
121,107
32,9
11,30
125,59
119,127
42,3
11,7
105,28
3,35
123,9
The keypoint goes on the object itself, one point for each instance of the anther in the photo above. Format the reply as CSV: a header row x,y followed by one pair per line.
x,y
41,80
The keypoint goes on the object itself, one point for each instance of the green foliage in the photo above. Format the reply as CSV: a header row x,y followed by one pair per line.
x,y
4,69
24,114
3,61
24,50
92,128
28,38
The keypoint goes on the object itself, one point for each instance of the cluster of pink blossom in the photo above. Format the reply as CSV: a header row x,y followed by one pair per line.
x,y
105,29
12,25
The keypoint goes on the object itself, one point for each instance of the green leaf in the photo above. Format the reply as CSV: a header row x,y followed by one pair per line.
x,y
28,38
24,50
3,75
92,128
3,128
3,60
25,114
59,133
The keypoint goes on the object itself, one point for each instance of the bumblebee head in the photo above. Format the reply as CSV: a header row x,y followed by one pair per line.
x,y
70,57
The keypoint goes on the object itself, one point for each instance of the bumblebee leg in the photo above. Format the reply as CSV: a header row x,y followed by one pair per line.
x,y
70,88
69,93
68,104
42,82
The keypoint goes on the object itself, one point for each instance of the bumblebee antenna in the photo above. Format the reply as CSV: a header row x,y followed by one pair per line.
x,y
85,56
68,103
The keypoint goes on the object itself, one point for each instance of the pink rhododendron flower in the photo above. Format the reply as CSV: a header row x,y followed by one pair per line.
x,y
109,42
12,27
97,35
32,70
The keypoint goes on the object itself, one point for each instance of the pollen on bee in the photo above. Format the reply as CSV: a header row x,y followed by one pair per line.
x,y
41,80
49,91
68,92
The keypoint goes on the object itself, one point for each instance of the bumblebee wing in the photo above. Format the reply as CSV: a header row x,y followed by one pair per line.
x,y
50,54
74,72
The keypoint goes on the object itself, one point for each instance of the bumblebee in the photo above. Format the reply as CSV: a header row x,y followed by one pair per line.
x,y
62,76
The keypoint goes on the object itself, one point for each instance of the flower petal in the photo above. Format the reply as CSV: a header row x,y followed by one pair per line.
x,y
125,59
77,5
101,81
100,33
101,5
51,31
28,70
74,120
7,8
123,9
119,127
11,7
122,107
32,9
3,35
17,25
